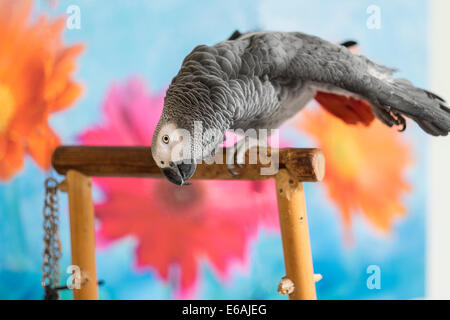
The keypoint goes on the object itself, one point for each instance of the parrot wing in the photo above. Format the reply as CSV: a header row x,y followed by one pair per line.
x,y
349,109
289,58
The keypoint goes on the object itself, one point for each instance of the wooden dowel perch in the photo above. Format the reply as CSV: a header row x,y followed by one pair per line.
x,y
295,237
303,164
82,234
295,166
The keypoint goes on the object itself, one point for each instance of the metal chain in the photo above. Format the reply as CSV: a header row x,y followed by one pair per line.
x,y
52,244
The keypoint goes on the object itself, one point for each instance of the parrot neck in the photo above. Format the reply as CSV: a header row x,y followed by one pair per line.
x,y
195,100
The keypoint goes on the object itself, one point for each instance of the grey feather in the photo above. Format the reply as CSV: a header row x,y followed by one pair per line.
x,y
261,79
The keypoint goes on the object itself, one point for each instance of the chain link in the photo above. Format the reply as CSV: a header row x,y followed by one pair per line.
x,y
52,244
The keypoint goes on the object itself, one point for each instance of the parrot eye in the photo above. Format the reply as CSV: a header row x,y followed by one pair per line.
x,y
165,139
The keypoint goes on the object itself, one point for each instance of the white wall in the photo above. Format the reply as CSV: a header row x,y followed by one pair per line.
x,y
438,206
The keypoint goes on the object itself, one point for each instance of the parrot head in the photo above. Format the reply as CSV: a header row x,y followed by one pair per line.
x,y
170,146
191,127
178,146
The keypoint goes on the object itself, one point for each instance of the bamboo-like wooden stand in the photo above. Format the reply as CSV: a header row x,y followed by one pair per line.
x,y
295,236
295,167
82,234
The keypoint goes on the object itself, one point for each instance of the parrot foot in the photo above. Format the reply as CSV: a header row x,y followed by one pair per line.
x,y
398,119
235,155
230,169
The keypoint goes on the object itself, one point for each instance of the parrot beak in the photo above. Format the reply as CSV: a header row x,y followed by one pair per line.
x,y
179,172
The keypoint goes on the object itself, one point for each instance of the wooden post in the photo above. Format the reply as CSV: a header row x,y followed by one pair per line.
x,y
78,163
82,236
295,237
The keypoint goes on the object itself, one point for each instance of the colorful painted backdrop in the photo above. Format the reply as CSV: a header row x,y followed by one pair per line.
x,y
96,72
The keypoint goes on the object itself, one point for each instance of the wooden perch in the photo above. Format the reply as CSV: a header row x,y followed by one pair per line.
x,y
82,235
295,237
303,164
294,166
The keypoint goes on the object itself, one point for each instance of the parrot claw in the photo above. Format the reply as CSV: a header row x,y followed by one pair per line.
x,y
231,171
235,156
398,120
230,160
230,168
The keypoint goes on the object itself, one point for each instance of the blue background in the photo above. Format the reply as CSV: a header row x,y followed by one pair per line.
x,y
150,39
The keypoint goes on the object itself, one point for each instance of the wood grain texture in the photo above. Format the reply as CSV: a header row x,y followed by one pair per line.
x,y
302,164
295,236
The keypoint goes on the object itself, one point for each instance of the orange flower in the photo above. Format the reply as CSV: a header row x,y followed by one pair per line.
x,y
35,71
365,166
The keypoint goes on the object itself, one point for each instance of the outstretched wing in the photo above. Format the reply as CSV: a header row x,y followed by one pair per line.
x,y
286,58
350,109
353,110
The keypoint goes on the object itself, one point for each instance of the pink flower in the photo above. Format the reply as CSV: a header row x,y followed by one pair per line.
x,y
176,227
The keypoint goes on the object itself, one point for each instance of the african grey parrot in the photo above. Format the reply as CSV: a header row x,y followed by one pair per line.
x,y
259,80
